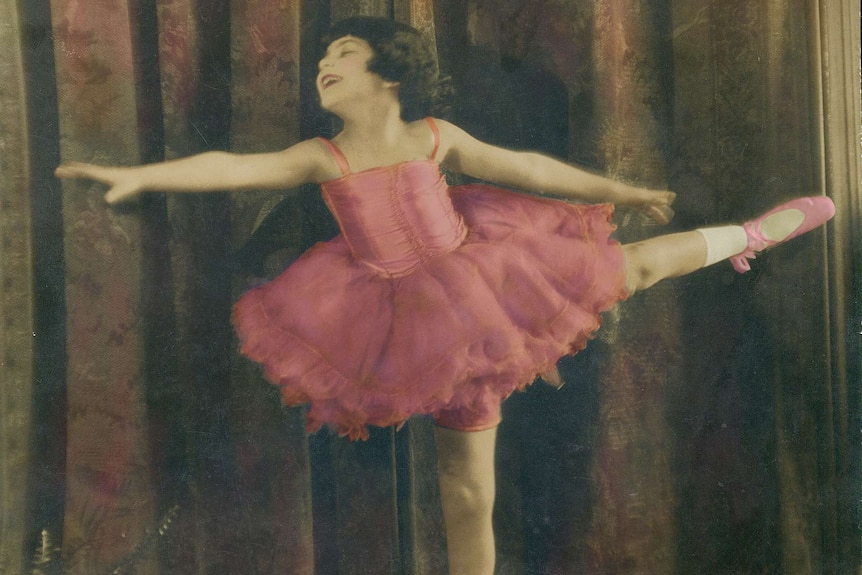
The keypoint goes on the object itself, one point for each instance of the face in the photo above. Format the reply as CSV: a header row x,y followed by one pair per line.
x,y
343,72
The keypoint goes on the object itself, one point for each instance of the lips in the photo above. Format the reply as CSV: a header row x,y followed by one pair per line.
x,y
327,80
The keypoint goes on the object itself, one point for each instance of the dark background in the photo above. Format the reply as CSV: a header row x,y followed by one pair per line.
x,y
712,426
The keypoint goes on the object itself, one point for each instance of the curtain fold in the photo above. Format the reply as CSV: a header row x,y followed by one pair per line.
x,y
706,429
633,527
109,500
17,348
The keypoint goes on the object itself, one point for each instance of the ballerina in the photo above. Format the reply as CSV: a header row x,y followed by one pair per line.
x,y
437,300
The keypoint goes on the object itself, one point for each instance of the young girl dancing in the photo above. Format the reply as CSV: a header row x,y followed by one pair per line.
x,y
437,300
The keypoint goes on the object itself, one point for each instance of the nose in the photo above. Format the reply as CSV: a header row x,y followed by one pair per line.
x,y
325,62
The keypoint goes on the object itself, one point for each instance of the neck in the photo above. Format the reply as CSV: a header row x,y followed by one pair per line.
x,y
373,124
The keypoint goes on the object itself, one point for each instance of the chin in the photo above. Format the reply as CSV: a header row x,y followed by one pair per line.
x,y
328,105
325,100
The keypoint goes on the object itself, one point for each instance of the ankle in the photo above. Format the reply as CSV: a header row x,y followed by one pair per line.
x,y
723,242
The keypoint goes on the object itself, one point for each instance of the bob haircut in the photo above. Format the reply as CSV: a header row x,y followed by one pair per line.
x,y
400,55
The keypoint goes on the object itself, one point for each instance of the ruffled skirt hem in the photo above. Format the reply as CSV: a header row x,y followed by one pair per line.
x,y
526,287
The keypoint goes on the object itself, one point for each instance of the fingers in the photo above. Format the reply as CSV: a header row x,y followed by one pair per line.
x,y
119,194
660,214
671,198
76,170
666,214
658,208
120,188
71,170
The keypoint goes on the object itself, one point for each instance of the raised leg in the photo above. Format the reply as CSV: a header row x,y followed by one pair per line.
x,y
663,257
467,489
673,255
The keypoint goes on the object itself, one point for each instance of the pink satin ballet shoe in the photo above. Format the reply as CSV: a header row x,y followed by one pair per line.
x,y
817,210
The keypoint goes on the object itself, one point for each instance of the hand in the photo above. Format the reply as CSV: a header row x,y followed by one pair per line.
x,y
658,206
122,186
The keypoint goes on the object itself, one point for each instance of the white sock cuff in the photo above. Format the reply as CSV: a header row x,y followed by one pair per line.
x,y
723,242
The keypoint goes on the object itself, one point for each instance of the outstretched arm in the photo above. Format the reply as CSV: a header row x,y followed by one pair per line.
x,y
210,171
535,172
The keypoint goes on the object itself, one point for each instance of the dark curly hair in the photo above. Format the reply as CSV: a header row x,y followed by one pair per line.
x,y
400,55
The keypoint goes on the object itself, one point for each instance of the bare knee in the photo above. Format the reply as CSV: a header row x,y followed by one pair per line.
x,y
466,475
640,269
466,472
466,498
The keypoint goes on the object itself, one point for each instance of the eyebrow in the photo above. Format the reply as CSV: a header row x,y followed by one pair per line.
x,y
341,42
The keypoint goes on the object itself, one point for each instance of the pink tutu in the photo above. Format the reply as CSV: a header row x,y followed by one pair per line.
x,y
424,304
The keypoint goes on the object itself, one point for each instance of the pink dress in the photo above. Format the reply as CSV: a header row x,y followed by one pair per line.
x,y
432,298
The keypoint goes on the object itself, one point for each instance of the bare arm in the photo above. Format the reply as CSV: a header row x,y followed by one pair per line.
x,y
210,171
535,172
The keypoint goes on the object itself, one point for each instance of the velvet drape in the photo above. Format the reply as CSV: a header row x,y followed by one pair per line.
x,y
711,427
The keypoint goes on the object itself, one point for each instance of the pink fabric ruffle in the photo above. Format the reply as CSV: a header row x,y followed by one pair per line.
x,y
525,288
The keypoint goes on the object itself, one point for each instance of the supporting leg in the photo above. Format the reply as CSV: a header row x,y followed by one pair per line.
x,y
467,489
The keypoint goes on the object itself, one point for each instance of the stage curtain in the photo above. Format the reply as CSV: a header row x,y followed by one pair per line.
x,y
708,428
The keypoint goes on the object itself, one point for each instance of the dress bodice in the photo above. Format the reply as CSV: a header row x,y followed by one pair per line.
x,y
406,312
395,217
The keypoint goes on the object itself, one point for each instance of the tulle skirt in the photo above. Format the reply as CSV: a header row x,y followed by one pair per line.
x,y
525,287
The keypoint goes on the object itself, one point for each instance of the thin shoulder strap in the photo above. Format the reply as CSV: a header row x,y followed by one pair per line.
x,y
337,155
436,132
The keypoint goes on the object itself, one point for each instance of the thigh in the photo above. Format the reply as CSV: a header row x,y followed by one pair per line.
x,y
483,414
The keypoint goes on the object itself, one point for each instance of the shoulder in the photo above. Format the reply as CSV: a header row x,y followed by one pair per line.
x,y
456,144
315,158
451,137
315,149
461,152
443,126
